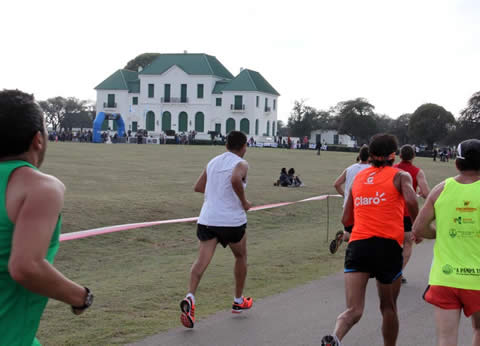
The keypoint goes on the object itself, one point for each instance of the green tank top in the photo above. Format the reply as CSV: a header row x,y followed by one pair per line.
x,y
20,309
456,255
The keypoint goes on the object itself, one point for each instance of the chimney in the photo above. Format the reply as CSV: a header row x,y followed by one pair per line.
x,y
241,69
185,52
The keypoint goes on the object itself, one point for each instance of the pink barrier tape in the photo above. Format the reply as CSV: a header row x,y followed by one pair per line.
x,y
118,228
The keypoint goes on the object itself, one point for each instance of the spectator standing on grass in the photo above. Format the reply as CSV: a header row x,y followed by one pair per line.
x,y
420,184
454,283
223,220
30,223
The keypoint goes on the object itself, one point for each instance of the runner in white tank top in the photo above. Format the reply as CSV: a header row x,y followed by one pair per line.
x,y
223,220
346,178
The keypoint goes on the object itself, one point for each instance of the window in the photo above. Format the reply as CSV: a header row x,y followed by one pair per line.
x,y
183,93
238,102
230,125
166,93
199,91
151,90
135,100
105,125
273,129
199,121
134,126
245,126
218,102
274,104
111,100
150,121
268,127
256,126
266,104
258,101
182,122
166,121
218,128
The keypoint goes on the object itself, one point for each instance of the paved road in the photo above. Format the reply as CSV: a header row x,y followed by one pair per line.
x,y
303,315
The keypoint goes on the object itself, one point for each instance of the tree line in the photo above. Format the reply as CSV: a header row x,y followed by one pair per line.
x,y
429,124
67,113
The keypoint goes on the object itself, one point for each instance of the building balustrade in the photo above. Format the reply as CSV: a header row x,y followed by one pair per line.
x,y
237,108
174,100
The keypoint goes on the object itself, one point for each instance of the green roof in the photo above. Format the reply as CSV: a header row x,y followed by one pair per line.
x,y
121,80
219,86
249,80
194,64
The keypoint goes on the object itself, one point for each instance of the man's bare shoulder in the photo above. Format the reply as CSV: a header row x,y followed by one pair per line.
x,y
436,191
33,181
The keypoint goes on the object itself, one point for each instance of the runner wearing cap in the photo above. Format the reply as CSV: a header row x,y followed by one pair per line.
x,y
454,283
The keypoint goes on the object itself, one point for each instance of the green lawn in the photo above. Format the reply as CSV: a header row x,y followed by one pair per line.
x,y
139,276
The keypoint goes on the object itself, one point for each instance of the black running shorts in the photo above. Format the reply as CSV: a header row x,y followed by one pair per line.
x,y
380,257
224,235
348,229
407,224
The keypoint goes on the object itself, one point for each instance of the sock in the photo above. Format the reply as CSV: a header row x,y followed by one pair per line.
x,y
189,295
337,340
238,300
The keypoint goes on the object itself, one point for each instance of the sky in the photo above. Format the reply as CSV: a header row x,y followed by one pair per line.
x,y
396,54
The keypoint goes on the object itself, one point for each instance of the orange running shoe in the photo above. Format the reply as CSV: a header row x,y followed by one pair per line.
x,y
188,312
245,305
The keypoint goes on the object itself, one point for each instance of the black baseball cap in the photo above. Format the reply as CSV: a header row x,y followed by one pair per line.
x,y
469,150
468,155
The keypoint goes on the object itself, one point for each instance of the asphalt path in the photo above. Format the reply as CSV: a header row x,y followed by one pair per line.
x,y
304,314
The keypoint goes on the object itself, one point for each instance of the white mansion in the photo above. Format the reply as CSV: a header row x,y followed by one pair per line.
x,y
185,92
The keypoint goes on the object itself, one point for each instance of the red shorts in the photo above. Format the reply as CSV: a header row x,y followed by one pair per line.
x,y
450,298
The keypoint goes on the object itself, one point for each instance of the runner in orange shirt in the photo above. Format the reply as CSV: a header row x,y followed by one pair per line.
x,y
375,207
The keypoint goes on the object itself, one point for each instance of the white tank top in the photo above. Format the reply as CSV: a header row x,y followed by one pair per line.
x,y
352,171
221,206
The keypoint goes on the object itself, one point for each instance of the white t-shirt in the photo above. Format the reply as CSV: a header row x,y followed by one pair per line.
x,y
221,206
352,171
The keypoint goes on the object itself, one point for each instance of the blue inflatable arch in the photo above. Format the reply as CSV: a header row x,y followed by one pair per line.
x,y
97,125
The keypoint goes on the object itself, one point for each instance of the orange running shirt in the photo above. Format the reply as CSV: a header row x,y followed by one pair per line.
x,y
378,206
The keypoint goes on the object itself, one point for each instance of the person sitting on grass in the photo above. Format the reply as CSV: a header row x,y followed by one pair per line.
x,y
295,180
284,179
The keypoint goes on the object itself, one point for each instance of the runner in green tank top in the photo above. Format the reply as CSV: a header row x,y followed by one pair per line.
x,y
454,283
30,205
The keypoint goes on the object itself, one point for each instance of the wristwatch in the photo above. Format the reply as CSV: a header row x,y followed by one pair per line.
x,y
88,301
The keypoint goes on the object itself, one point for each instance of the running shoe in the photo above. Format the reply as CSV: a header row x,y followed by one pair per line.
x,y
330,340
336,242
188,312
245,305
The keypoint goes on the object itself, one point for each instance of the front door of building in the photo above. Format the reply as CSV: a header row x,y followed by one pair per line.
x,y
218,128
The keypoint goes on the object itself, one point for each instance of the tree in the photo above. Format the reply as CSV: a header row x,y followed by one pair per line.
x,y
429,124
400,128
356,118
384,123
141,60
281,129
469,121
82,119
303,119
56,108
